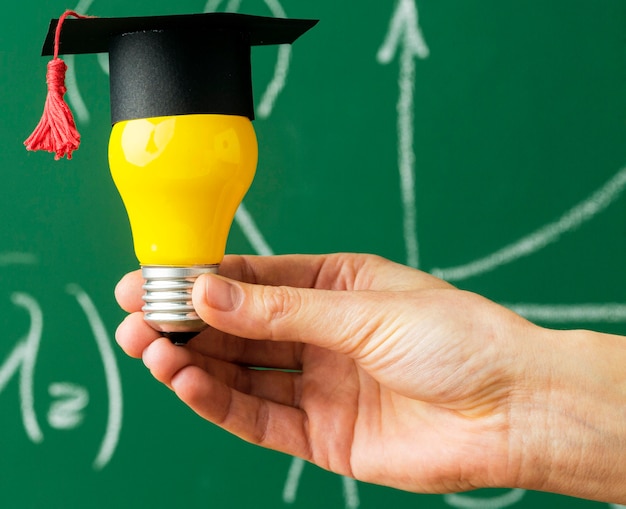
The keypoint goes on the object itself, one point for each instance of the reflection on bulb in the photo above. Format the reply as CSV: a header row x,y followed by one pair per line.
x,y
181,179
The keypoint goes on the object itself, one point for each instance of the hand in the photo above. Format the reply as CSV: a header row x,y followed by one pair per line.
x,y
390,363
378,371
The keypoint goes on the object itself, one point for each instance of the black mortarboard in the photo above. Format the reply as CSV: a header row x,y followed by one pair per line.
x,y
177,65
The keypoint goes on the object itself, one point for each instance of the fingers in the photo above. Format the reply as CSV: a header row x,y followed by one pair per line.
x,y
134,335
258,406
138,340
254,405
165,360
265,354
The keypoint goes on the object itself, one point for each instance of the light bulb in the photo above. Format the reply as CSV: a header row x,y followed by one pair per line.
x,y
182,151
181,179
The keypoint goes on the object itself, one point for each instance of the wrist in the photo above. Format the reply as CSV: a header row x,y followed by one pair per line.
x,y
569,419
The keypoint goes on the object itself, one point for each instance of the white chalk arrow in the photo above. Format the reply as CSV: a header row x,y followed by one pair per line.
x,y
405,34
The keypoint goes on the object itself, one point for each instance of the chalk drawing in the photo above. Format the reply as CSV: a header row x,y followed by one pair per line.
x,y
350,493
243,219
11,364
404,36
253,234
66,412
465,501
405,33
214,5
73,95
564,313
23,358
246,223
350,488
290,490
31,341
113,380
103,60
17,258
617,506
233,5
281,69
83,6
572,219
268,99
68,399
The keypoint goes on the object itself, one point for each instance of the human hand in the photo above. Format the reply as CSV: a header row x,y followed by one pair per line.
x,y
377,371
391,364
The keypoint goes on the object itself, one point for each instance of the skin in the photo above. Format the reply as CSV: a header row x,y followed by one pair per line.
x,y
388,375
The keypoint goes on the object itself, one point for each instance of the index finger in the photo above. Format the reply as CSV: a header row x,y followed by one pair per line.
x,y
337,271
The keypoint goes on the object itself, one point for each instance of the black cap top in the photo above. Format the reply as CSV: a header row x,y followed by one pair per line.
x,y
177,65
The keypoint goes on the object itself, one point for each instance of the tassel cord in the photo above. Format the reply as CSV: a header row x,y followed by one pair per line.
x,y
56,131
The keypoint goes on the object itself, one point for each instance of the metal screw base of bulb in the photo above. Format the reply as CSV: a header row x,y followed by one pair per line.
x,y
168,307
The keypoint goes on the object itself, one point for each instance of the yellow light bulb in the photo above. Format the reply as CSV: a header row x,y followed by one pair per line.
x,y
181,179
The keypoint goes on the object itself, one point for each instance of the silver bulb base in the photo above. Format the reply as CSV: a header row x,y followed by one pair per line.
x,y
168,305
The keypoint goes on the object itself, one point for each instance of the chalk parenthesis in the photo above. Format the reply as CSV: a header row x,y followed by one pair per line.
x,y
290,489
350,493
113,380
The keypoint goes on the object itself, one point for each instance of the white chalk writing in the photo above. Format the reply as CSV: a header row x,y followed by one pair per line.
x,y
69,400
405,32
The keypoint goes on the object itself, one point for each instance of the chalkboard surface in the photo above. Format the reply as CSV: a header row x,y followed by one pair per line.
x,y
483,141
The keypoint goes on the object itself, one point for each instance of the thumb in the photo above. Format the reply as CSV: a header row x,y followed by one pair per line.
x,y
343,321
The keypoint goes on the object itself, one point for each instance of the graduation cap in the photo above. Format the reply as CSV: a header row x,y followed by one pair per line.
x,y
160,66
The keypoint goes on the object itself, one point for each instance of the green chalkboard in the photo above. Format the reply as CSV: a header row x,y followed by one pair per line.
x,y
483,141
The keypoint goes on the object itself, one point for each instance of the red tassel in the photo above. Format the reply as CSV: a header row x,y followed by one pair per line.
x,y
56,131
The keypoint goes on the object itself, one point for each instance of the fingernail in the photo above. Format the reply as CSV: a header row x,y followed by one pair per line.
x,y
221,294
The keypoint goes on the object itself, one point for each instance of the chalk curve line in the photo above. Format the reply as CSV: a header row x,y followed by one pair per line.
x,y
74,97
29,358
575,217
462,501
268,99
281,69
10,258
113,378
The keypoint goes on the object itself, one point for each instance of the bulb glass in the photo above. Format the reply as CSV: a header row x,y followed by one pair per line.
x,y
181,179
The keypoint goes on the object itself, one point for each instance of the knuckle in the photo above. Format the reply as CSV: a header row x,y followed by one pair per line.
x,y
280,303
